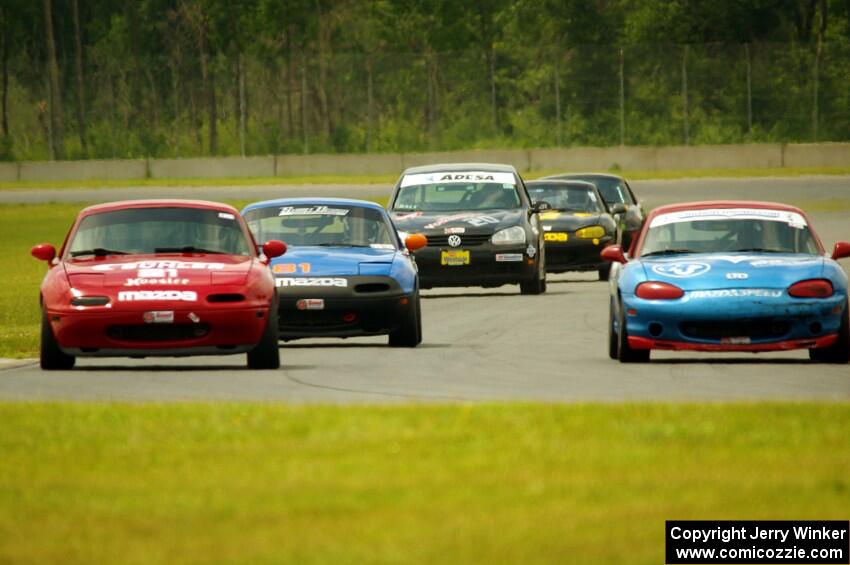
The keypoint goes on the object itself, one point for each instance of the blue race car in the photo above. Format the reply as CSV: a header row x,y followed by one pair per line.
x,y
346,272
728,276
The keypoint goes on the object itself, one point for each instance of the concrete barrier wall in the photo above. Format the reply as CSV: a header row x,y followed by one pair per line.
x,y
9,172
211,167
817,155
82,170
753,156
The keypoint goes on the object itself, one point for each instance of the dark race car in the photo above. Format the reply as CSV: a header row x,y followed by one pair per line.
x,y
481,226
577,225
158,278
346,273
615,190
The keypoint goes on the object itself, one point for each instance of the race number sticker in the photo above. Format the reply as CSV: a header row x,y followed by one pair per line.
x,y
681,270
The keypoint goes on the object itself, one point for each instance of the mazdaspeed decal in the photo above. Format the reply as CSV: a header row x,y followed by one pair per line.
x,y
317,281
681,270
144,295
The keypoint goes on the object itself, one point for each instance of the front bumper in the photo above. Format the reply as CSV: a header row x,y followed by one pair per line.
x,y
125,333
733,323
575,254
483,268
367,305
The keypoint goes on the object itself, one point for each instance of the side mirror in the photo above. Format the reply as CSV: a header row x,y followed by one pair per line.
x,y
618,208
44,252
415,241
274,248
841,250
614,254
540,206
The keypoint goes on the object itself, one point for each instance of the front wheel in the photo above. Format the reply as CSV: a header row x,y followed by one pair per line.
x,y
613,344
605,272
409,334
267,355
537,285
838,352
624,350
51,358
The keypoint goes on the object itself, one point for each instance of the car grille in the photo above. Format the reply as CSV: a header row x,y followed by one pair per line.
x,y
471,240
753,329
157,332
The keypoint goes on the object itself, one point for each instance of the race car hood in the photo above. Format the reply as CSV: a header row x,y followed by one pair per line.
x,y
157,271
736,270
569,221
334,261
475,222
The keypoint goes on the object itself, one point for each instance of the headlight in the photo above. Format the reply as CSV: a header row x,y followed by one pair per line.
x,y
592,232
509,236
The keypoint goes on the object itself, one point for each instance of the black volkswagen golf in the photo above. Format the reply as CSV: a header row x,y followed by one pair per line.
x,y
481,226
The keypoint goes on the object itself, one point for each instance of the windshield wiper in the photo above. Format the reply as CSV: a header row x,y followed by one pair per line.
x,y
97,252
187,249
668,252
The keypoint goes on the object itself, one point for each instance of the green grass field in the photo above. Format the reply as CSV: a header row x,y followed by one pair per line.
x,y
389,179
253,483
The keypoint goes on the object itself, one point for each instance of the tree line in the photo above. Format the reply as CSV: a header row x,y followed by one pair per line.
x,y
174,78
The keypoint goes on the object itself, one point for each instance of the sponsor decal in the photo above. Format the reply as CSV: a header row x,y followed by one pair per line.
x,y
313,211
323,281
382,246
194,317
550,215
406,215
310,304
159,317
454,240
189,265
737,276
508,257
547,228
448,177
157,276
530,250
471,218
777,262
737,293
226,216
454,230
150,295
559,237
791,218
681,270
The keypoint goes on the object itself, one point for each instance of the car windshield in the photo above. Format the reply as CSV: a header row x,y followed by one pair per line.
x,y
336,225
566,197
160,230
612,189
729,231
437,192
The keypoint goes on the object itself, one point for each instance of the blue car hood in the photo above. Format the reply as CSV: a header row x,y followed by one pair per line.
x,y
735,270
339,261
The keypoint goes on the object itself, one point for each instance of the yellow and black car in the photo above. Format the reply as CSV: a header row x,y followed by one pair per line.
x,y
577,225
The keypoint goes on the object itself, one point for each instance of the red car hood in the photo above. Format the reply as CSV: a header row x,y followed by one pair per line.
x,y
158,271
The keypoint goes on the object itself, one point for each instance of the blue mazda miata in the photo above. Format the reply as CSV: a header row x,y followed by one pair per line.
x,y
345,272
728,276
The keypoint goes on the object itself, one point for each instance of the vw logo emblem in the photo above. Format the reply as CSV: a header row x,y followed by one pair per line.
x,y
454,240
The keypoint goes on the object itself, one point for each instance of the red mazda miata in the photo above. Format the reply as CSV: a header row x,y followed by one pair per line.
x,y
158,278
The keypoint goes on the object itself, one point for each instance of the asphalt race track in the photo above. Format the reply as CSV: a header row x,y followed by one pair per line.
x,y
479,344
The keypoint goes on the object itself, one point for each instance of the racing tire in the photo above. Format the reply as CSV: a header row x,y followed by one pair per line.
x,y
624,352
409,334
605,272
839,352
51,358
613,344
266,355
537,285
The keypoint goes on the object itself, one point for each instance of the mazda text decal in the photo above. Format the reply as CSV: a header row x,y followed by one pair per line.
x,y
147,295
681,270
289,281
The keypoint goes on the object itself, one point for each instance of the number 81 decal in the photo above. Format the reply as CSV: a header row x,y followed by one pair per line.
x,y
291,268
